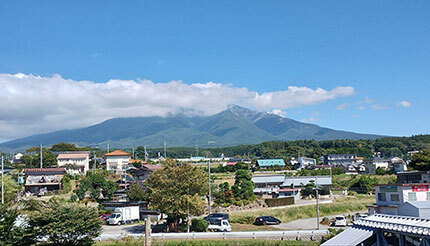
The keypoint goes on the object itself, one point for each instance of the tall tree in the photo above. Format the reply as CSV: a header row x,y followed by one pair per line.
x,y
65,224
243,187
421,161
176,187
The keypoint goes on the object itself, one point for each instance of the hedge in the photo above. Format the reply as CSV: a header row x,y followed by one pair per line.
x,y
275,202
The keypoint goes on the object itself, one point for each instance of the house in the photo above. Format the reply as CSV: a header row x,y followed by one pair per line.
x,y
398,164
270,163
117,161
374,163
43,179
303,162
390,197
267,184
400,216
231,163
141,174
340,159
75,162
413,177
281,186
299,181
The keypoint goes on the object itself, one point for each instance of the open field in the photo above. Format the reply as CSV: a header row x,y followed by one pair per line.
x,y
136,242
339,206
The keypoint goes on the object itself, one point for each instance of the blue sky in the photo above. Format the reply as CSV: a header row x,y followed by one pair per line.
x,y
380,48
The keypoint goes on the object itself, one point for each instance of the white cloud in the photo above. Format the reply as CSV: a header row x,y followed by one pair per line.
x,y
341,106
279,112
405,104
34,104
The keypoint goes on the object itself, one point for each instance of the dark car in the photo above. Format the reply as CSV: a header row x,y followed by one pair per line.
x,y
216,216
266,220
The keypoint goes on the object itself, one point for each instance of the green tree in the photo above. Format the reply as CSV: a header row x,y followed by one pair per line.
x,y
364,184
32,160
421,161
10,232
95,183
243,187
66,224
136,193
64,147
11,189
174,188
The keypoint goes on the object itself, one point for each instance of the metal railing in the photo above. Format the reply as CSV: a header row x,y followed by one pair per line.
x,y
280,235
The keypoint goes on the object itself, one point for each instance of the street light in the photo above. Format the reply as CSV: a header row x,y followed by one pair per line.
x,y
317,202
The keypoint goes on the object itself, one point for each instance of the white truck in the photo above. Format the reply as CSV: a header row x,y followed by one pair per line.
x,y
124,215
219,225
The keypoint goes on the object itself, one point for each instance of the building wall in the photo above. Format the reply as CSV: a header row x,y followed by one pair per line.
x,y
117,163
84,163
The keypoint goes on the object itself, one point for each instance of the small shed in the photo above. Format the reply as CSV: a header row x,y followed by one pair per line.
x,y
415,209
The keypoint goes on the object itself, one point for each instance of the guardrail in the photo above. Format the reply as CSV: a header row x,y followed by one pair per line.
x,y
280,235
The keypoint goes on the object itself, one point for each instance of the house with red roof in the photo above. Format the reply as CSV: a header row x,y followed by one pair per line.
x,y
117,161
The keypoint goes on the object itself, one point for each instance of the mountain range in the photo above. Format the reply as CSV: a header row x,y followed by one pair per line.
x,y
234,126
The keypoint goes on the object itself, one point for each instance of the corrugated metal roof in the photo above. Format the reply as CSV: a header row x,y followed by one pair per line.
x,y
271,162
397,223
420,204
351,236
297,181
262,179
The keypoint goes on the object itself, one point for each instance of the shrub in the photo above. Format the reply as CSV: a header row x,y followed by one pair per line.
x,y
352,193
325,221
73,198
275,202
199,225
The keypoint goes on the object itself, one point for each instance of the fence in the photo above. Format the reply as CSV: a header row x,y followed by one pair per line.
x,y
279,235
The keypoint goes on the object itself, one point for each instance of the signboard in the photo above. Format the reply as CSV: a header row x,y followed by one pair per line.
x,y
388,189
418,188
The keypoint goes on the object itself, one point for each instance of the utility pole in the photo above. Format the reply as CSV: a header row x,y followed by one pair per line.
x,y
146,154
133,154
2,179
188,212
209,184
108,147
318,208
41,156
165,155
95,160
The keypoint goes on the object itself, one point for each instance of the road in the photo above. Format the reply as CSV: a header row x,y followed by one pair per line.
x,y
309,224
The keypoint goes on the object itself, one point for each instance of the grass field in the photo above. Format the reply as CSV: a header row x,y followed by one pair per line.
x,y
136,242
340,206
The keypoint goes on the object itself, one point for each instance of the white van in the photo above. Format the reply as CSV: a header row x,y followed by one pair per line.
x,y
124,215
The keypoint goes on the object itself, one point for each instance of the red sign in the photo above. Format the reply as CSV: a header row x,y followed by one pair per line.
x,y
420,188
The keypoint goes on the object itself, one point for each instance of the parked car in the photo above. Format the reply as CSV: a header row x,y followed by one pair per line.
x,y
219,225
218,216
360,216
267,220
340,221
103,217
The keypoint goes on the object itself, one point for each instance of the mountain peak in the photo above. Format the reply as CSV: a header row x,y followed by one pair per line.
x,y
248,114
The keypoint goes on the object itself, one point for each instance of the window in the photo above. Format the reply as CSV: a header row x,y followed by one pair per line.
x,y
412,196
395,197
382,197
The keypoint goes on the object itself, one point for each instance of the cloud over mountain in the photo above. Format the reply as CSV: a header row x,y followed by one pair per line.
x,y
33,104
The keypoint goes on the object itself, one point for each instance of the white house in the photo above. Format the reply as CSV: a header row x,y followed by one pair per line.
x,y
398,164
117,161
389,198
374,163
75,162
